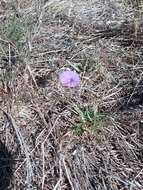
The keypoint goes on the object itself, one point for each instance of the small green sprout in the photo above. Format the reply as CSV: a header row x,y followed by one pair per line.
x,y
89,120
78,129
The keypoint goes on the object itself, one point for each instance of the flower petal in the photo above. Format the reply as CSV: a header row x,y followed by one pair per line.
x,y
69,78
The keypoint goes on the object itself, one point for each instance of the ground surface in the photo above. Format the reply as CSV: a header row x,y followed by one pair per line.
x,y
86,138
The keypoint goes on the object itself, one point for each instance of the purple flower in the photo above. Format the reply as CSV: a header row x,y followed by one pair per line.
x,y
69,78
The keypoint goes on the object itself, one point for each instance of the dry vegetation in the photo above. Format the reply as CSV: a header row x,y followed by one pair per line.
x,y
86,138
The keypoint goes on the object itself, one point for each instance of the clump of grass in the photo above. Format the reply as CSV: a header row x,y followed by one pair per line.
x,y
88,120
14,31
134,2
86,65
78,129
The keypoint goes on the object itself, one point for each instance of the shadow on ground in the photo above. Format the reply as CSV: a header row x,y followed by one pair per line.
x,y
6,163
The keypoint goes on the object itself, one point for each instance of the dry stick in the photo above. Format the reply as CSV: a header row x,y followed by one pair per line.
x,y
43,168
135,178
135,88
38,144
28,161
68,174
23,147
84,166
43,119
31,74
57,186
9,60
59,182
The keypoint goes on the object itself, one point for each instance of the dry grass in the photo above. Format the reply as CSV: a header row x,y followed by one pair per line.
x,y
87,138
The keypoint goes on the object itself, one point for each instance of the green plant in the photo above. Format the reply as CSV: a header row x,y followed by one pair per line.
x,y
88,120
86,65
14,31
78,129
